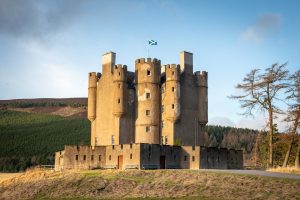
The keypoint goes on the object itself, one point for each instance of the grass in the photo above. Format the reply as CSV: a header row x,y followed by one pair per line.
x,y
140,184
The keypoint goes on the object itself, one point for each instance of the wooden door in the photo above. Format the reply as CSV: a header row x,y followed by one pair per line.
x,y
162,162
120,162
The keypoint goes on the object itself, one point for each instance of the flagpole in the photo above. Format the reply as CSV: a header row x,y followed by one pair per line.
x,y
148,52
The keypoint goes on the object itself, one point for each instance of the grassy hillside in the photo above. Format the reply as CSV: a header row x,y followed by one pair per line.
x,y
136,184
29,138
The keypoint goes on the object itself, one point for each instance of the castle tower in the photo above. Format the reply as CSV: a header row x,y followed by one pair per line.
x,y
120,100
202,104
172,98
148,101
92,99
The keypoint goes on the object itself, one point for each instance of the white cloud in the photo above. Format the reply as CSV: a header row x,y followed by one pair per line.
x,y
265,26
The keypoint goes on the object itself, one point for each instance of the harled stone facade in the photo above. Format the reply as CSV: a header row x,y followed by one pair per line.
x,y
151,118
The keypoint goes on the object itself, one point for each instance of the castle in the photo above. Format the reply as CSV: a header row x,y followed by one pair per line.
x,y
153,118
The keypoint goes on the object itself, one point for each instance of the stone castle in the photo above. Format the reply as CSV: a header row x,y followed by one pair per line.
x,y
153,118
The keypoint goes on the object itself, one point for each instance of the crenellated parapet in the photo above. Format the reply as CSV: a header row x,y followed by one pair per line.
x,y
172,72
201,78
148,70
120,72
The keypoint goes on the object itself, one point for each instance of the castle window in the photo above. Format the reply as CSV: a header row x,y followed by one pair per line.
x,y
112,140
109,157
185,158
148,95
84,157
76,157
166,140
99,157
131,156
119,85
172,106
119,73
193,147
92,157
147,112
121,146
147,129
173,89
130,146
119,100
193,158
173,73
148,72
113,147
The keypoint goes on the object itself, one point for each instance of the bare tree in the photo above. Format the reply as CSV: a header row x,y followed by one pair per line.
x,y
261,92
293,115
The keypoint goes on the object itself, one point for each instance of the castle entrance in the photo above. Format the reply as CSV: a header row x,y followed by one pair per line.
x,y
162,162
120,162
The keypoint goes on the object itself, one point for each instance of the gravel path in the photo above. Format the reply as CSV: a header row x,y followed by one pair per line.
x,y
256,172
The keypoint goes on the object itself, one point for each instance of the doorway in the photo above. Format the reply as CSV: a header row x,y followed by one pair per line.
x,y
162,162
120,162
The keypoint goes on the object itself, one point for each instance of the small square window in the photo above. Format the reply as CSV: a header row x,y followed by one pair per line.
x,y
147,129
173,89
119,100
147,112
193,158
185,158
173,73
84,157
76,157
119,85
119,73
121,146
172,106
92,157
130,146
148,95
131,156
99,157
148,72
109,157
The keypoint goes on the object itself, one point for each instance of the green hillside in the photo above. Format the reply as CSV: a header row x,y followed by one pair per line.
x,y
29,138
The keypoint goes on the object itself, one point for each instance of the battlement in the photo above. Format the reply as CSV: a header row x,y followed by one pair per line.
x,y
120,72
201,78
172,72
148,60
92,79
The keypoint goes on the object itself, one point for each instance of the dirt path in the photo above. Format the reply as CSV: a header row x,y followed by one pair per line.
x,y
256,173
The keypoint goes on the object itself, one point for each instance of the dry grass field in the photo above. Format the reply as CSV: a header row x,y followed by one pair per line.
x,y
291,170
163,184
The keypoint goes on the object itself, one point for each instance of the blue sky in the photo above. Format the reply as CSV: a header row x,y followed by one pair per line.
x,y
48,47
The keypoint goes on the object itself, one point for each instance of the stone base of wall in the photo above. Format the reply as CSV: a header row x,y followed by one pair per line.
x,y
147,156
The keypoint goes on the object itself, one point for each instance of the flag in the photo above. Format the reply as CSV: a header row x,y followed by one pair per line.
x,y
152,42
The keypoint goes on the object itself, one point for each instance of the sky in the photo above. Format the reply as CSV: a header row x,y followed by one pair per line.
x,y
47,48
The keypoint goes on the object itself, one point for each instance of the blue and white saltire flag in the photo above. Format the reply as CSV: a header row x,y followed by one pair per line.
x,y
152,42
